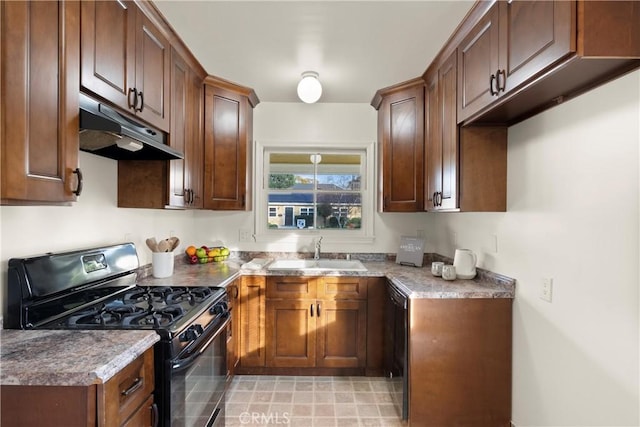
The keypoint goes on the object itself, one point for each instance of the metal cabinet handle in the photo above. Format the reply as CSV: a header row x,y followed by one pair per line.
x,y
141,95
132,104
311,310
491,80
318,310
78,189
502,86
137,383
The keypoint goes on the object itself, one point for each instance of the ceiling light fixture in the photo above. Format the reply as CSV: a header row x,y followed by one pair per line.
x,y
309,88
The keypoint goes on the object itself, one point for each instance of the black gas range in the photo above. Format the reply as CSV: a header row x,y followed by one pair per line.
x,y
97,289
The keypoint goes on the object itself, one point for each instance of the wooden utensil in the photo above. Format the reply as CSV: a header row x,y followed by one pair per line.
x,y
174,242
152,244
164,246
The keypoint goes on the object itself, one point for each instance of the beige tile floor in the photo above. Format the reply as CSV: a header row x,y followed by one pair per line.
x,y
314,401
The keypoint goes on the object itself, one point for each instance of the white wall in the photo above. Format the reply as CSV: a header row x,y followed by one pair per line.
x,y
292,123
572,215
91,221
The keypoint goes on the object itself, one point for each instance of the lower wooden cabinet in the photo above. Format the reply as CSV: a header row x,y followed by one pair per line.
x,y
316,322
460,362
252,321
124,400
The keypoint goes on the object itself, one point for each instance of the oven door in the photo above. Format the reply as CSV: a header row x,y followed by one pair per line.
x,y
198,381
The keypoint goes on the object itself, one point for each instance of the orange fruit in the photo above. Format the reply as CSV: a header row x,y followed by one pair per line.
x,y
191,250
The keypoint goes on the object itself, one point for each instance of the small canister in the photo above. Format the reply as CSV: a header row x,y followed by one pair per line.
x,y
436,268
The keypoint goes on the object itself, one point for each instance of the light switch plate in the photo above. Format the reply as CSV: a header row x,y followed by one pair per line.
x,y
546,289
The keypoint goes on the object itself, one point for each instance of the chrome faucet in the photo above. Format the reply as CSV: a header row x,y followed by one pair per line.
x,y
316,254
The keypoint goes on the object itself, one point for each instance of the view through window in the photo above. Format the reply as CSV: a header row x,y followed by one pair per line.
x,y
315,190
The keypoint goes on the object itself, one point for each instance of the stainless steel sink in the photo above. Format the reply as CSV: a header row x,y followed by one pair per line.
x,y
317,265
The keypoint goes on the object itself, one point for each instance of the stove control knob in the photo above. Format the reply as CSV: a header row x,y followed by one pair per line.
x,y
220,308
192,333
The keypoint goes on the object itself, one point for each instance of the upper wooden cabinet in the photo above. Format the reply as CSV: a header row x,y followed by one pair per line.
x,y
401,146
465,167
441,138
511,43
516,58
228,135
126,59
185,175
39,102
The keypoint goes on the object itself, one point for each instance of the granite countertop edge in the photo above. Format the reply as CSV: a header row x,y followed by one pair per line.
x,y
68,357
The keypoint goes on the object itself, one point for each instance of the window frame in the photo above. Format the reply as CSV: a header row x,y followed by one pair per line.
x,y
365,234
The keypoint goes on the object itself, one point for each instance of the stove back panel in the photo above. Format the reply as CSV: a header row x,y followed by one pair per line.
x,y
39,278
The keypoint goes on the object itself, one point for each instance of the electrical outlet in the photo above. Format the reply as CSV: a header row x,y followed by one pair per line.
x,y
244,235
127,237
454,237
172,233
493,244
546,289
421,234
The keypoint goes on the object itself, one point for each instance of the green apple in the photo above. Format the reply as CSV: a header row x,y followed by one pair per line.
x,y
201,253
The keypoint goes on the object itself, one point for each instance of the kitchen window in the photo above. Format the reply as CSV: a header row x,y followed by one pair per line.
x,y
315,190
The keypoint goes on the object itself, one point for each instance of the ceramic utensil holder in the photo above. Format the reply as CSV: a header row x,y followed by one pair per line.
x,y
162,264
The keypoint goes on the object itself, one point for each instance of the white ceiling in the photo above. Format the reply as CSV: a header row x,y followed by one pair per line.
x,y
357,47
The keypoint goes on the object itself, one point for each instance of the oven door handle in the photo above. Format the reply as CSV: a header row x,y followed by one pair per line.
x,y
181,364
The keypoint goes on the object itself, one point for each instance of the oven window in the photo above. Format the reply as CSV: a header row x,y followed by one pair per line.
x,y
197,390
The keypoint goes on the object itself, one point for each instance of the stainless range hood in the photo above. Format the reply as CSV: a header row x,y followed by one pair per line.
x,y
108,133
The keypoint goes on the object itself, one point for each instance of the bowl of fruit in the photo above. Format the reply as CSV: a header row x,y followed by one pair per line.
x,y
204,254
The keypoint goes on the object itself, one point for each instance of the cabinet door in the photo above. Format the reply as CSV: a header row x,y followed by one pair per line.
x,y
341,334
194,149
185,175
401,126
108,49
291,333
153,65
226,145
442,137
39,103
533,36
478,63
433,142
179,136
252,321
447,81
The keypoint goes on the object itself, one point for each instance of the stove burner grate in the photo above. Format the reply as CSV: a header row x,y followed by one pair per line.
x,y
155,317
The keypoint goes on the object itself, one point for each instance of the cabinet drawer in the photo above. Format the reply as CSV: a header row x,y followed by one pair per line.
x,y
342,288
291,287
146,415
123,394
